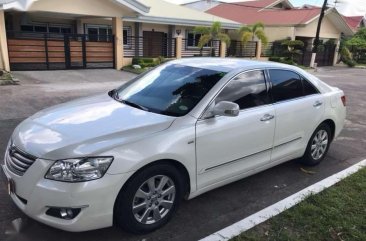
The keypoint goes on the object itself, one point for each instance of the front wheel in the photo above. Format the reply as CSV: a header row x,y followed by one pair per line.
x,y
149,199
318,146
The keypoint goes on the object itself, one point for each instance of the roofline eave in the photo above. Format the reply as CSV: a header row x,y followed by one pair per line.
x,y
333,10
135,5
180,22
25,4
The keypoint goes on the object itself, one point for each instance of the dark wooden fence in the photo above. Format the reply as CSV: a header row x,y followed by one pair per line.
x,y
211,49
149,47
238,49
28,51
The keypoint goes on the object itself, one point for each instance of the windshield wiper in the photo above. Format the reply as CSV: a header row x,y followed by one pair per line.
x,y
114,95
134,105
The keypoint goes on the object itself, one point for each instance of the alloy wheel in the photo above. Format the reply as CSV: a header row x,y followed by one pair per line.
x,y
319,144
154,199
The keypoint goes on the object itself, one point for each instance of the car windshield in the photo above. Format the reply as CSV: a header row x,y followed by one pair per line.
x,y
171,89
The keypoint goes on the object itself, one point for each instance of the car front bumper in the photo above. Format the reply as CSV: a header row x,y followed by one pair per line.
x,y
34,194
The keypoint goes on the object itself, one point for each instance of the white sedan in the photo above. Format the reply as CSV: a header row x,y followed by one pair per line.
x,y
129,156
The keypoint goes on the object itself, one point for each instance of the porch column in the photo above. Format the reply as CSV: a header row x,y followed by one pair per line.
x,y
336,52
258,51
4,54
178,47
117,30
137,39
222,49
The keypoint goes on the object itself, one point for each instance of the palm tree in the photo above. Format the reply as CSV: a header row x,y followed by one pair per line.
x,y
250,32
211,33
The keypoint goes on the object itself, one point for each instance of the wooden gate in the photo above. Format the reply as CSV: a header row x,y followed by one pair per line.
x,y
324,57
50,52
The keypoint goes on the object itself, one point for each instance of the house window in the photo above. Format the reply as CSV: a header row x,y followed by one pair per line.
x,y
193,39
27,28
127,36
104,33
47,28
99,32
59,29
34,28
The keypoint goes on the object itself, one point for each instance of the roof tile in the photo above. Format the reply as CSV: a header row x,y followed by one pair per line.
x,y
252,12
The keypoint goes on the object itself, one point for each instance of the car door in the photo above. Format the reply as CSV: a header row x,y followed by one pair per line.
x,y
299,109
230,146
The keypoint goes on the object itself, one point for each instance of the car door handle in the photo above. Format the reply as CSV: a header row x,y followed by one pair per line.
x,y
267,117
317,103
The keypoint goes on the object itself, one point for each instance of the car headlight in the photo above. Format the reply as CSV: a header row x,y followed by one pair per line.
x,y
80,169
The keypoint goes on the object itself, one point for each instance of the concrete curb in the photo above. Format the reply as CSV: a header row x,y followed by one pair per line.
x,y
277,208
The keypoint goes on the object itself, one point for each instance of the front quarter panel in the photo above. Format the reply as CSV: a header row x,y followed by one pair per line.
x,y
176,143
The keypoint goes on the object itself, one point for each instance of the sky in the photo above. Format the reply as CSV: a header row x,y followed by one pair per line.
x,y
346,7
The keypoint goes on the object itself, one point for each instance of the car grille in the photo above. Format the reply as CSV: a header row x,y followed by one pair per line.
x,y
18,161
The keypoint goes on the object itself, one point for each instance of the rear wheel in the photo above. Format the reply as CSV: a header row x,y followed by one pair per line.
x,y
149,199
318,145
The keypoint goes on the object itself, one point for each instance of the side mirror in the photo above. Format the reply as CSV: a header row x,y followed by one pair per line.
x,y
226,108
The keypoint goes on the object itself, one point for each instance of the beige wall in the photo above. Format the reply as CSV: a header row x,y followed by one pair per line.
x,y
127,61
273,33
278,33
4,57
89,7
156,27
328,30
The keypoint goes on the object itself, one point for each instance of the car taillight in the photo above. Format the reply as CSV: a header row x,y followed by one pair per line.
x,y
343,98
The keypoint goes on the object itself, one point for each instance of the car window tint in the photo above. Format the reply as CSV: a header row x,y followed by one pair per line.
x,y
247,90
309,89
286,85
171,89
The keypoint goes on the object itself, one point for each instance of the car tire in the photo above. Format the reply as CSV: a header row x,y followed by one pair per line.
x,y
139,205
318,145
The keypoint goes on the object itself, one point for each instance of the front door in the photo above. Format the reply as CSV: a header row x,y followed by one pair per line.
x,y
153,43
230,146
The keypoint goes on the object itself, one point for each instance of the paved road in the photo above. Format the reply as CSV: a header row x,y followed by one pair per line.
x,y
207,213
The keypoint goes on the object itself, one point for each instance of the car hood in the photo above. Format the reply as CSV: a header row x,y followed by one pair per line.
x,y
85,127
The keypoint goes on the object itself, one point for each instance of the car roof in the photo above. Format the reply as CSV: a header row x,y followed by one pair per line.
x,y
227,64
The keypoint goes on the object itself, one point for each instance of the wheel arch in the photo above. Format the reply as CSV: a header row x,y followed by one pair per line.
x,y
180,167
331,125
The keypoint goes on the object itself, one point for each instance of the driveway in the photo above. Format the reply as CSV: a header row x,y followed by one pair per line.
x,y
205,214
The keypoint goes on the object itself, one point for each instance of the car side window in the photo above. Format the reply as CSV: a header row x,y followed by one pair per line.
x,y
286,85
309,88
247,90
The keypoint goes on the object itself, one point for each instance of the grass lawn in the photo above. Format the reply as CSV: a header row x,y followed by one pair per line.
x,y
337,213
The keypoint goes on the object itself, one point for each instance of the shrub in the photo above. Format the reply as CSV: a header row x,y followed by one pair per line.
x,y
138,60
145,62
275,59
350,63
288,61
282,60
346,57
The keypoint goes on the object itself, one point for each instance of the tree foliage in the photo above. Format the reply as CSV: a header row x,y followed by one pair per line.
x,y
357,45
248,33
292,47
215,32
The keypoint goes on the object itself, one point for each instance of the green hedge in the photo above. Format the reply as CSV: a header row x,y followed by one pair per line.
x,y
147,62
282,60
